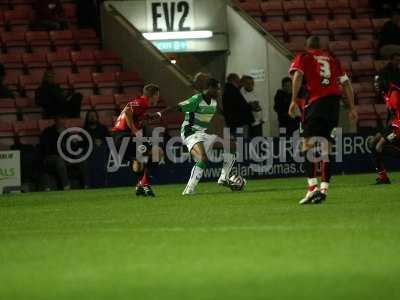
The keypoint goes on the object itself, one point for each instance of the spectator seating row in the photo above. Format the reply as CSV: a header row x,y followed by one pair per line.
x,y
305,9
86,83
61,61
337,30
39,41
22,16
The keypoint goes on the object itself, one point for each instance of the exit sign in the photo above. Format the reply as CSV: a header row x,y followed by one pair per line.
x,y
172,46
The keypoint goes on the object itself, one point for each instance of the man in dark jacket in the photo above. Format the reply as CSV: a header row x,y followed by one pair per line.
x,y
54,101
237,112
389,37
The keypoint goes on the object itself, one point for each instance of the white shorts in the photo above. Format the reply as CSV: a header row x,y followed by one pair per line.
x,y
199,137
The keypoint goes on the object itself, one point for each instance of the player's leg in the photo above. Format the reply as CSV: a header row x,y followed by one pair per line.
x,y
377,147
310,168
198,152
326,170
228,163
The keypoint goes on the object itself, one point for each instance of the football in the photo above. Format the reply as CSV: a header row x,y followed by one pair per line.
x,y
237,183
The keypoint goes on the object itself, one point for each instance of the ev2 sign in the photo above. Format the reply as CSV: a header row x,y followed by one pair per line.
x,y
170,15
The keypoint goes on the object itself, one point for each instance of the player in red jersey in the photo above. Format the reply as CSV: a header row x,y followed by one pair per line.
x,y
130,125
387,143
321,75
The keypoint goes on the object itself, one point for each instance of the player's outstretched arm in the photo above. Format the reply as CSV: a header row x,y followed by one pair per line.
x,y
297,82
349,100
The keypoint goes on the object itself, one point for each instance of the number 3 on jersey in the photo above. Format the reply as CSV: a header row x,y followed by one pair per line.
x,y
325,70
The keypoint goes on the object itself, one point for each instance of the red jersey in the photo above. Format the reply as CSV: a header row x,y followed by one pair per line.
x,y
393,101
322,74
138,107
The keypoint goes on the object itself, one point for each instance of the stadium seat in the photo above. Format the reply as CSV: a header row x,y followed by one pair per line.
x,y
381,111
2,22
6,135
23,4
14,42
38,41
365,93
62,40
106,83
295,10
295,31
363,29
319,28
28,109
12,82
367,116
28,131
252,8
340,9
70,12
104,104
61,78
273,11
380,64
296,47
318,9
342,49
363,49
378,24
18,20
341,30
8,110
35,63
45,123
84,61
361,8
108,61
75,122
130,82
276,29
28,85
86,39
363,70
12,63
59,61
82,83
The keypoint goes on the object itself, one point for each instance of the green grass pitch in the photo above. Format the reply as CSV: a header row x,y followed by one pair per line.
x,y
258,244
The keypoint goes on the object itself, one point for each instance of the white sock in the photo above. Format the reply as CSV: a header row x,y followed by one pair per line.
x,y
324,187
312,182
229,161
195,177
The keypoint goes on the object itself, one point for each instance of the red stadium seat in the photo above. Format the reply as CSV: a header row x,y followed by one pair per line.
x,y
45,123
35,63
363,70
70,12
28,85
18,20
295,30
2,21
380,64
296,10
378,24
367,116
108,60
342,49
252,8
319,28
273,11
364,49
86,39
130,82
296,47
14,42
62,40
12,63
86,105
106,83
28,108
84,61
60,61
6,135
366,93
276,29
318,9
61,78
381,111
27,128
12,82
341,30
361,8
363,29
104,104
340,9
122,99
82,82
75,122
8,110
38,41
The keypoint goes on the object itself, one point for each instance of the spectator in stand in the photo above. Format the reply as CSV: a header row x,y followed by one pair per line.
x,y
4,91
282,100
97,131
389,37
50,15
200,80
251,97
53,163
54,101
237,112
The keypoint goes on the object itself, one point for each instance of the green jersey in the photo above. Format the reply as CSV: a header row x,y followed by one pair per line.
x,y
198,114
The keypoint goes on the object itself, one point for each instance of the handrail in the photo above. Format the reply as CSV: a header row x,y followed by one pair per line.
x,y
268,36
150,45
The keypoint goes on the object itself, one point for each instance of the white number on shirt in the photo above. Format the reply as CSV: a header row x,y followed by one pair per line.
x,y
325,69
